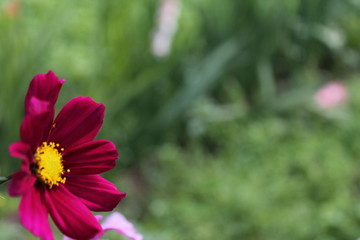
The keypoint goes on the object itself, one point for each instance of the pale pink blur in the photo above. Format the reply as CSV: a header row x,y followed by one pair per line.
x,y
331,95
167,24
11,8
117,222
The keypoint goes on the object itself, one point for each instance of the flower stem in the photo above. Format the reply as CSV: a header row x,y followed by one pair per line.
x,y
5,179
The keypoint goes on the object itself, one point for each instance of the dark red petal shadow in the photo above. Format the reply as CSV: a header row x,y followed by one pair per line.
x,y
20,183
93,157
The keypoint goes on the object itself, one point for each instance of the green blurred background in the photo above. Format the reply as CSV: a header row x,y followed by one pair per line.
x,y
211,105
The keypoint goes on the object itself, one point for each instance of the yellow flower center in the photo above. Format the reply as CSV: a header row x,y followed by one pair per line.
x,y
49,164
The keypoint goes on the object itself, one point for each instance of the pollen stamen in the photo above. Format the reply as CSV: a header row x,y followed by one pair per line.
x,y
49,162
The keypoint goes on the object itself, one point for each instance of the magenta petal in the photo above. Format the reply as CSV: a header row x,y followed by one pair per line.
x,y
45,87
33,214
22,151
20,183
22,180
93,157
79,121
95,192
19,150
36,125
37,106
70,215
98,218
116,221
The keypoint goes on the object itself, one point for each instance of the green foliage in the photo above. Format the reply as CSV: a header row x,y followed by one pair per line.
x,y
220,139
262,177
103,49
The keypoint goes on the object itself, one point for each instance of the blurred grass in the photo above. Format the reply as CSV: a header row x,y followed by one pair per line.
x,y
218,140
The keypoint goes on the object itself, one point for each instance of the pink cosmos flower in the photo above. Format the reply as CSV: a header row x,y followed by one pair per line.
x,y
61,162
117,222
331,95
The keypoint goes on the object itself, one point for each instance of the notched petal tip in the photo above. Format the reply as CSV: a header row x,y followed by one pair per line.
x,y
122,195
45,87
52,75
89,102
